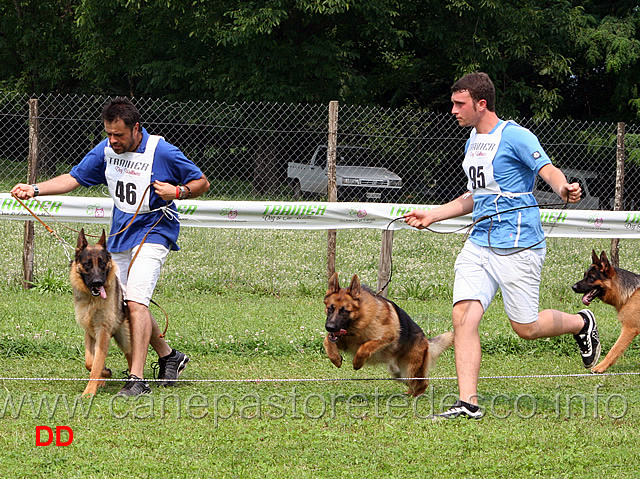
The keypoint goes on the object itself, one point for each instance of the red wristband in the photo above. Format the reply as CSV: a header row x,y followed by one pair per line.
x,y
177,192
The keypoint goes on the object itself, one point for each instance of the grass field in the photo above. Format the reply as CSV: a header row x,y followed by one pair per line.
x,y
260,399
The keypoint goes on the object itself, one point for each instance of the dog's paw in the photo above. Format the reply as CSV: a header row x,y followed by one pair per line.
x,y
87,393
336,360
598,369
358,362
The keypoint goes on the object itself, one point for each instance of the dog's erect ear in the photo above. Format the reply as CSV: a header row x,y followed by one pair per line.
x,y
594,257
82,241
334,286
604,263
103,240
354,287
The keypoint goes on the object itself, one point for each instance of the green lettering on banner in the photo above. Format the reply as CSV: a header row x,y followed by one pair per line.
x,y
633,218
266,210
553,217
321,210
276,210
187,210
55,206
286,210
6,204
399,211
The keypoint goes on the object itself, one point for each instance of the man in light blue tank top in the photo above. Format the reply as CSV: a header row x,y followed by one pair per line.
x,y
501,162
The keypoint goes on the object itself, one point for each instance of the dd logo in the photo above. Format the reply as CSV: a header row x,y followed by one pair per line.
x,y
49,436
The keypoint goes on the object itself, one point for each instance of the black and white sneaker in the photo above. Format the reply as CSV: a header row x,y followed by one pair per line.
x,y
170,367
135,386
460,409
588,340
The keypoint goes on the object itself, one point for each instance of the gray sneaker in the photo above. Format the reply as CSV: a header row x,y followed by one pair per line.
x,y
170,367
588,340
460,409
135,386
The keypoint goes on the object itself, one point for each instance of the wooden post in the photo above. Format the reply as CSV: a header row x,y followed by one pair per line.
x,y
29,237
619,198
332,191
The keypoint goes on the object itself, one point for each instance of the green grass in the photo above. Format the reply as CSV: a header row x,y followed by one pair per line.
x,y
260,399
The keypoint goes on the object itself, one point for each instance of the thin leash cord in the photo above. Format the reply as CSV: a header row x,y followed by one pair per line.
x,y
470,226
308,380
50,230
517,251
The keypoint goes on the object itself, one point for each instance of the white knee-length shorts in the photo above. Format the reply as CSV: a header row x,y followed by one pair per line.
x,y
480,271
139,283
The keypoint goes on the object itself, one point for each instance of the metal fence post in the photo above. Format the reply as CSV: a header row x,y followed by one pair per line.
x,y
331,186
29,237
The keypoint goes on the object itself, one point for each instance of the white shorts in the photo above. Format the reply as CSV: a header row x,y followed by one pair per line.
x,y
480,272
139,283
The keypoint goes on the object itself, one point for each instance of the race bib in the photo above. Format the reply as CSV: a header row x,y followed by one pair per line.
x,y
478,161
128,176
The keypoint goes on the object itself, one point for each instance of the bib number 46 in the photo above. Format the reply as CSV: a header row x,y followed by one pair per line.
x,y
126,193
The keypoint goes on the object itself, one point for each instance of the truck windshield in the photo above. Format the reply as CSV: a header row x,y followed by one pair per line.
x,y
348,156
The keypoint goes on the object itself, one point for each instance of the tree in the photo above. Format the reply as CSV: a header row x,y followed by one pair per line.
x,y
36,45
547,58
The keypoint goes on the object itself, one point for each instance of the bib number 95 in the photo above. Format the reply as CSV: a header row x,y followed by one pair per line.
x,y
476,175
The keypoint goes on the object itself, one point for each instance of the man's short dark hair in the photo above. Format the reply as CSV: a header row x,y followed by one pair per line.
x,y
121,108
479,86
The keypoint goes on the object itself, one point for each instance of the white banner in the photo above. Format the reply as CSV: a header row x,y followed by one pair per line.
x,y
568,223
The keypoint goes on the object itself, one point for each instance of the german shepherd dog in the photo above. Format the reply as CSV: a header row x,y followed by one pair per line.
x,y
619,288
376,330
99,308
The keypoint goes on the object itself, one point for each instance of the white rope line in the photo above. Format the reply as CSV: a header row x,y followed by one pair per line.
x,y
301,380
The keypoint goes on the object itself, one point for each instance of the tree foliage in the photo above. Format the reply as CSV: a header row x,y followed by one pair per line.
x,y
556,58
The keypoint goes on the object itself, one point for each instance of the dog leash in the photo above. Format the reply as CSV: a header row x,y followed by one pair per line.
x,y
470,226
50,230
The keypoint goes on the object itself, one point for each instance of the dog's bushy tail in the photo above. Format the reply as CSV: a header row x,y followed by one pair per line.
x,y
437,345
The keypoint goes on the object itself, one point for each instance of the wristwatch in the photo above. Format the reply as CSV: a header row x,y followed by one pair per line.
x,y
36,190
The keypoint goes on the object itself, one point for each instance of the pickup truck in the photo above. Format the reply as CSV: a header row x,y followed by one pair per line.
x,y
355,182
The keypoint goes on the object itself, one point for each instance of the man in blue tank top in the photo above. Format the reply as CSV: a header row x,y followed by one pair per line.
x,y
507,251
144,174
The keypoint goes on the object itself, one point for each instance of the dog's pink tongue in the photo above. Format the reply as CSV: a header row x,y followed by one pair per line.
x,y
103,293
587,298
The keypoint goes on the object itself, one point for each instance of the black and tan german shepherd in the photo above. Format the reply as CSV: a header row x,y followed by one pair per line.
x,y
99,307
619,288
376,330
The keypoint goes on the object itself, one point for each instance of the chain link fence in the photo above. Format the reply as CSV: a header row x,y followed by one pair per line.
x,y
257,151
